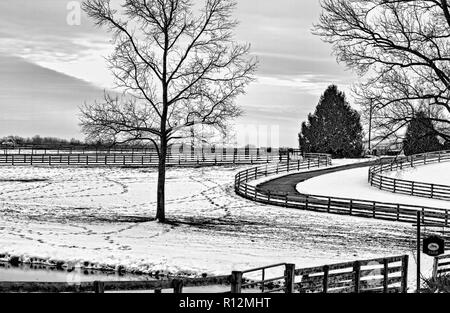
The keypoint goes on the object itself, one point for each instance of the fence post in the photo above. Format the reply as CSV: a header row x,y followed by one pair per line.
x,y
99,287
435,267
357,272
177,286
236,282
289,278
326,270
404,283
385,275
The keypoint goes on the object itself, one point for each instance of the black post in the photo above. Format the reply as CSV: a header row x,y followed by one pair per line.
x,y
99,287
370,126
418,252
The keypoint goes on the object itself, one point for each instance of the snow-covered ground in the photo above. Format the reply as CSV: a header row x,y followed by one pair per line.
x,y
353,184
102,216
438,173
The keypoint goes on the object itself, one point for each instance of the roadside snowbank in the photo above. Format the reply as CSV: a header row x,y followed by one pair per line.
x,y
431,173
353,184
335,163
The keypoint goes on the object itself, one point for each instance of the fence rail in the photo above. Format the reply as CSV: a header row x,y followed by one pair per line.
x,y
376,275
141,159
327,204
441,265
413,188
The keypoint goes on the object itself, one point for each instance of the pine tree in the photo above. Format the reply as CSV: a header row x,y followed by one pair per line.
x,y
420,135
334,128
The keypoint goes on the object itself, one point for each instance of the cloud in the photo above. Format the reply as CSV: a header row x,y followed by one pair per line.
x,y
38,31
58,60
37,100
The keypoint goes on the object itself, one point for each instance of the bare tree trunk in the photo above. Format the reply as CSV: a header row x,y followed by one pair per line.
x,y
160,209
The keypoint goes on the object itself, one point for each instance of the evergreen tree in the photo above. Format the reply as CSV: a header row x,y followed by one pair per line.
x,y
420,135
334,128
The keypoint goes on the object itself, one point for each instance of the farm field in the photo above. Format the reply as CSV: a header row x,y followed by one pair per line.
x,y
432,173
104,217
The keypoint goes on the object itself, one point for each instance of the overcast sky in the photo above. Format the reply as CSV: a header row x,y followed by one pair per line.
x,y
48,68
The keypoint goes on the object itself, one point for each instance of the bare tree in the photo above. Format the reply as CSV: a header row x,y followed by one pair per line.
x,y
401,49
176,68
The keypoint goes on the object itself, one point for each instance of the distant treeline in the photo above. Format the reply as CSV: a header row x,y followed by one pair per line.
x,y
54,142
38,140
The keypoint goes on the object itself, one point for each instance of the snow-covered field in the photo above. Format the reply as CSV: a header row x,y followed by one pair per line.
x,y
353,184
104,216
438,173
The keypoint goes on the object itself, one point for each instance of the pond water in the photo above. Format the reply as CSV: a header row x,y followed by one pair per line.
x,y
42,273
27,272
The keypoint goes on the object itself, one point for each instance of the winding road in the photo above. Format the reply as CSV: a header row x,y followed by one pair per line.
x,y
287,184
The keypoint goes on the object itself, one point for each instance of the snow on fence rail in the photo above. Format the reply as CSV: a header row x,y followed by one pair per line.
x,y
175,149
375,275
382,275
218,157
441,265
336,205
413,188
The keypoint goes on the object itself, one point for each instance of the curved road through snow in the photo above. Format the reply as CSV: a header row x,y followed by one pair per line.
x,y
287,184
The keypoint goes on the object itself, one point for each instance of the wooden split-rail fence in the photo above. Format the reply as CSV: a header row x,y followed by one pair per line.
x,y
138,158
336,205
377,178
441,265
381,275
